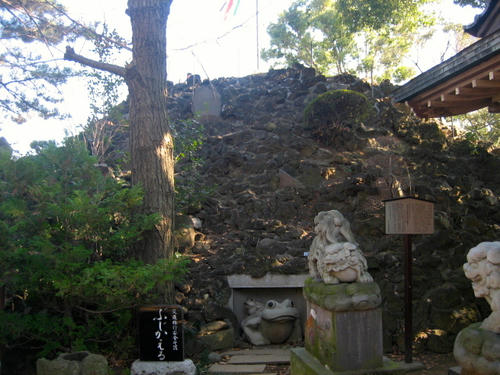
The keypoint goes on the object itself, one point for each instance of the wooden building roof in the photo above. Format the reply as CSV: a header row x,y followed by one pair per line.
x,y
487,22
468,81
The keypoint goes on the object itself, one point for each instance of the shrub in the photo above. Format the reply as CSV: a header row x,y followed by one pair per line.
x,y
66,238
190,188
334,115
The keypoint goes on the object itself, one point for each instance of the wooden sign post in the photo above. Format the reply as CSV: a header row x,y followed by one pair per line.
x,y
408,216
161,335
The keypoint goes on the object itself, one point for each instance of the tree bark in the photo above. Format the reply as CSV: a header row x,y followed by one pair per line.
x,y
151,141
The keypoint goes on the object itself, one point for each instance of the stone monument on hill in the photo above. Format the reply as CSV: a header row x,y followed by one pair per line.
x,y
206,101
477,347
343,331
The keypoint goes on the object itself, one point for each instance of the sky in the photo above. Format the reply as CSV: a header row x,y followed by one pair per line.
x,y
202,38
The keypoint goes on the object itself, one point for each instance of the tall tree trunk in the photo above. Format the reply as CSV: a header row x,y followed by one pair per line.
x,y
152,145
150,137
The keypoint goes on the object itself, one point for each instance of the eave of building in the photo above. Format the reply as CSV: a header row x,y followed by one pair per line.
x,y
468,81
487,22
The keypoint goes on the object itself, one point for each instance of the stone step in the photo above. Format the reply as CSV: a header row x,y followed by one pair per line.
x,y
223,369
264,351
281,358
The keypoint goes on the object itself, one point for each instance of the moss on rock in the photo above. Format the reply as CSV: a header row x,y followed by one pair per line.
x,y
334,115
344,296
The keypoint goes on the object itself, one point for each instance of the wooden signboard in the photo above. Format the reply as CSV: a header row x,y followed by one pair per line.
x,y
161,336
409,215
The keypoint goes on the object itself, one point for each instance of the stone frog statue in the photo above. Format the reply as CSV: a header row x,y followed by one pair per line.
x,y
272,323
334,255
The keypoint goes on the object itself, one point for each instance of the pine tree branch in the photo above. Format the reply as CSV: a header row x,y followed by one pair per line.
x,y
70,55
88,29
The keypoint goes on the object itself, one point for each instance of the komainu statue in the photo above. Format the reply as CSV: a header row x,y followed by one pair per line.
x,y
483,269
334,255
477,347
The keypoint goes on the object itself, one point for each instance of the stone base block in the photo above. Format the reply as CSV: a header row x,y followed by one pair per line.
x,y
477,351
185,367
303,363
345,340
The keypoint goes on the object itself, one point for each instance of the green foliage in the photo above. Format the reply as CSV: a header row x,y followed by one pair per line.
x,y
189,135
190,191
336,113
377,14
32,20
107,125
400,74
481,127
473,3
312,33
27,80
372,36
66,259
467,147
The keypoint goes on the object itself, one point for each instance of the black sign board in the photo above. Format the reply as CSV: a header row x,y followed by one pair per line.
x,y
161,337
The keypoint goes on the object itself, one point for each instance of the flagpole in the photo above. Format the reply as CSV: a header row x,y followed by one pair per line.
x,y
257,31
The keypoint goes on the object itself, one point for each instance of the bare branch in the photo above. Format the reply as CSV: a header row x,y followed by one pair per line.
x,y
70,55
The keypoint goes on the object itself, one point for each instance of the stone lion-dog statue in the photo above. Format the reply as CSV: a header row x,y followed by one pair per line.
x,y
334,255
483,269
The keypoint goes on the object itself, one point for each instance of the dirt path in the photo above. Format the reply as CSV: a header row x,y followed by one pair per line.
x,y
435,364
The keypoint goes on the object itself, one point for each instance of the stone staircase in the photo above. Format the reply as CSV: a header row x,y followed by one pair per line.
x,y
251,361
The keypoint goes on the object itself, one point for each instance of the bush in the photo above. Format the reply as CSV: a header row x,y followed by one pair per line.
x,y
333,116
191,191
66,264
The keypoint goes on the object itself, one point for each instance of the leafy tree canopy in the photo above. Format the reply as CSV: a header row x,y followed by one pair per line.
x,y
473,3
27,80
32,20
377,14
370,36
482,127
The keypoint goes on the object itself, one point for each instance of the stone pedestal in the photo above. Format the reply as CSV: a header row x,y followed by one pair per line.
x,y
477,351
345,340
185,367
343,331
344,325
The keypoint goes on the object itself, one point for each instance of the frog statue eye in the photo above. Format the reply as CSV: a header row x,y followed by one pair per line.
x,y
271,304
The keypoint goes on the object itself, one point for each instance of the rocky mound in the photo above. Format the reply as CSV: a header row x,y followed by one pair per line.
x,y
270,174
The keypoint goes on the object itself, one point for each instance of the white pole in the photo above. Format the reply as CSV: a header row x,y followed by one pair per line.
x,y
257,31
